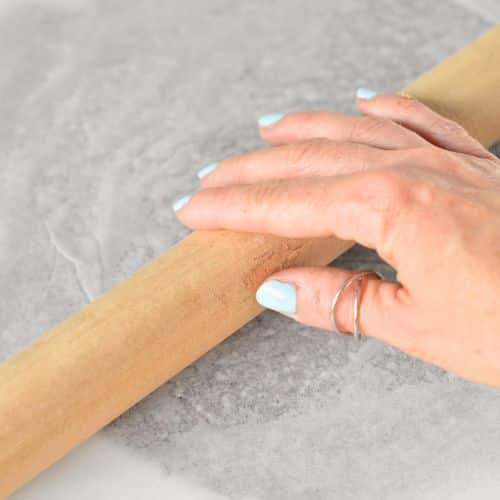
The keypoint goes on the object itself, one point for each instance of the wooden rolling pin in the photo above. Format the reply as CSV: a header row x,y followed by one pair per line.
x,y
75,379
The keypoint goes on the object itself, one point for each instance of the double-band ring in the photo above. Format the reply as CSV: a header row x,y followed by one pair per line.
x,y
356,280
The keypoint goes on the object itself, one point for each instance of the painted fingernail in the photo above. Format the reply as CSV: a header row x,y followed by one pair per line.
x,y
206,170
267,120
278,296
364,93
180,202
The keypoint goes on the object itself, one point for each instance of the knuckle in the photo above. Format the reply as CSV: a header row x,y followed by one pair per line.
x,y
410,105
422,193
446,127
408,189
368,127
313,157
351,153
390,197
303,154
389,189
262,194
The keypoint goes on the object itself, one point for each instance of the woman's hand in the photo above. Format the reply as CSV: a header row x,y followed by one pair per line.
x,y
401,179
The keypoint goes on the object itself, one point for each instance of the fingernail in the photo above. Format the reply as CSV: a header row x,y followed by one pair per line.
x,y
364,93
206,170
278,296
267,120
179,203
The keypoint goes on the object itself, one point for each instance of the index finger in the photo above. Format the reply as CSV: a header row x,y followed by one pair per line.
x,y
355,207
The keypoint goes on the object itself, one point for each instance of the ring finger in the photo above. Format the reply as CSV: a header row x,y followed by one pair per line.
x,y
374,131
305,294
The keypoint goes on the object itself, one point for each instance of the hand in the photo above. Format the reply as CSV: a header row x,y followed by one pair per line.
x,y
401,179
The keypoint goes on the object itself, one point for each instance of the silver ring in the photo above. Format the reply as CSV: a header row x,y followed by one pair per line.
x,y
355,279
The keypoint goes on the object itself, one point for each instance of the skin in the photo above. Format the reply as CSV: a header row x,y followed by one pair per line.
x,y
400,179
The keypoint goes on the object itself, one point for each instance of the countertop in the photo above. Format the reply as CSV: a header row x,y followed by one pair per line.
x,y
107,110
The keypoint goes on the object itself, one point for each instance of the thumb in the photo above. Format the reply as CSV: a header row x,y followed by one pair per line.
x,y
305,294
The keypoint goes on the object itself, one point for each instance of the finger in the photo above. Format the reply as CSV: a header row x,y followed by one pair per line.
x,y
373,131
319,157
357,206
305,294
416,116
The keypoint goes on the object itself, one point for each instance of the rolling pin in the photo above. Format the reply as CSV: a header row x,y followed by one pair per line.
x,y
85,372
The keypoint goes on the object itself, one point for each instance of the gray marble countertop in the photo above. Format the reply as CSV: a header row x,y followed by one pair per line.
x,y
107,110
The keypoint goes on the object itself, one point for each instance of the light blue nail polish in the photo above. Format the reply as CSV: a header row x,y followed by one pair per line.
x,y
206,170
364,93
278,296
179,203
267,120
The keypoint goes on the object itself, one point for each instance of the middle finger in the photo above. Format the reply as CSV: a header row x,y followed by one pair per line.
x,y
314,158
